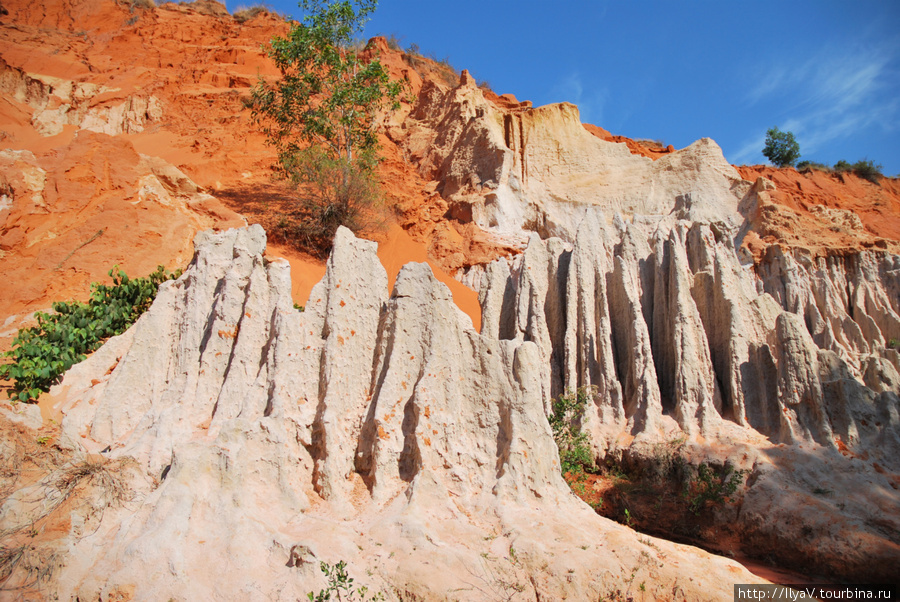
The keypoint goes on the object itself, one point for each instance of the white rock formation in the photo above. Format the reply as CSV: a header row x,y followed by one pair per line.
x,y
380,430
656,310
539,169
679,340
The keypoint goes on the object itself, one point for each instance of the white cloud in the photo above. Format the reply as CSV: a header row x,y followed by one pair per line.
x,y
828,97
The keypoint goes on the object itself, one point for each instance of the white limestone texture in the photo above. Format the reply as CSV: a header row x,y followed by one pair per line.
x,y
380,430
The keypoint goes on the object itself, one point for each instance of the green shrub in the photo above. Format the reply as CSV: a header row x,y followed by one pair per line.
x,y
340,584
41,354
712,486
863,168
842,166
781,148
867,170
567,412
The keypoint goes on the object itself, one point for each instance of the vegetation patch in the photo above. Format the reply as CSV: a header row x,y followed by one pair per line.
x,y
711,486
322,116
807,166
567,413
865,169
42,353
245,13
781,148
340,586
661,491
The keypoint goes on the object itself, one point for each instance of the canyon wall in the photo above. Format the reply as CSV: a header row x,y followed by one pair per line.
x,y
246,441
378,429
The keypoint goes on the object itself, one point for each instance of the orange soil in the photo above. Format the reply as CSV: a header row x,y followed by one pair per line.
x,y
396,248
825,212
644,148
198,64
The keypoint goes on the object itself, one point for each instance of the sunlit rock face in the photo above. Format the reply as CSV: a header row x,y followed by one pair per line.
x,y
374,428
518,168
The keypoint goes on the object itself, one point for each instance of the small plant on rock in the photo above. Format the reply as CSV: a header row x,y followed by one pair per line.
x,y
340,585
566,415
712,487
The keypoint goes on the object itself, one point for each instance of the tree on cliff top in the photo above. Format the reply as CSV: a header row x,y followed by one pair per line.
x,y
781,148
321,116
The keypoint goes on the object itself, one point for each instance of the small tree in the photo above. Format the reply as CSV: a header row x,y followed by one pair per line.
x,y
321,115
781,148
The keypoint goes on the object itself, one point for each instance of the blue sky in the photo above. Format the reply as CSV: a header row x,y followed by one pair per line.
x,y
677,71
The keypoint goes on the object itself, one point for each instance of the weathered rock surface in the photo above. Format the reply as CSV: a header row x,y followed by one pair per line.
x,y
539,169
380,430
114,120
679,339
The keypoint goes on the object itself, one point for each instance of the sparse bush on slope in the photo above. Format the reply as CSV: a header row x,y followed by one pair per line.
x,y
245,13
804,166
865,169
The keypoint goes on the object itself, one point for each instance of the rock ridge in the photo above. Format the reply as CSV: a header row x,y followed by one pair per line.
x,y
386,417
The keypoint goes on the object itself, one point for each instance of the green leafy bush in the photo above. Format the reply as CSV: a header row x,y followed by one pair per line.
x,y
781,148
340,584
567,411
712,486
863,168
41,354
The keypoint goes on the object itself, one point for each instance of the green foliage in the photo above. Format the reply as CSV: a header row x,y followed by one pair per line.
x,y
842,166
321,114
894,344
327,95
812,165
41,354
781,148
712,486
567,412
863,168
340,585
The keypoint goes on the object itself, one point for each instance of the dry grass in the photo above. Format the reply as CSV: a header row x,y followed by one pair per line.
x,y
242,14
25,568
139,4
46,486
